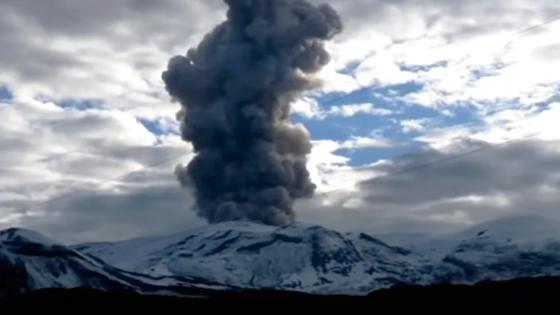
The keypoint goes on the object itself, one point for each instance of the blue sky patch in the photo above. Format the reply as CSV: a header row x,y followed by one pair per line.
x,y
388,127
351,68
80,104
423,68
6,94
341,128
493,70
339,98
462,115
157,127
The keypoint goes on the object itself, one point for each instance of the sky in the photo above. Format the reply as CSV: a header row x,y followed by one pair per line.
x,y
433,116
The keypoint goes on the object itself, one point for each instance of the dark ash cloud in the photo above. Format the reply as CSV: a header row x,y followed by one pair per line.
x,y
235,89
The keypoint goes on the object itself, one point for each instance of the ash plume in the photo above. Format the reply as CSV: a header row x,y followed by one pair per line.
x,y
235,91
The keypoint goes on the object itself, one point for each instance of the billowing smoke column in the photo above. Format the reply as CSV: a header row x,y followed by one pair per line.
x,y
235,91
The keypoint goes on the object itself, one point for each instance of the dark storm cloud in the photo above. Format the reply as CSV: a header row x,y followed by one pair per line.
x,y
235,89
82,215
24,58
84,18
30,31
436,191
510,169
454,20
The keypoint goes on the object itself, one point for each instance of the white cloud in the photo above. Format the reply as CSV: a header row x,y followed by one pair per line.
x,y
357,109
114,52
100,55
382,69
505,166
49,152
331,171
307,107
310,108
486,70
459,191
500,127
413,125
356,143
488,58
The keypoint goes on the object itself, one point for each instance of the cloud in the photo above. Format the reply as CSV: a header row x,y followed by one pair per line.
x,y
497,179
487,54
114,51
413,125
59,50
505,165
310,108
446,190
356,143
484,173
306,107
460,54
536,121
49,152
330,169
357,109
87,215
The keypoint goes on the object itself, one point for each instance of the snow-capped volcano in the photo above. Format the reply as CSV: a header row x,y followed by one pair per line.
x,y
299,257
29,262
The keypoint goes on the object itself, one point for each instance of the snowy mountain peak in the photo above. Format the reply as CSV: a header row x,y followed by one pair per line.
x,y
296,257
19,235
29,262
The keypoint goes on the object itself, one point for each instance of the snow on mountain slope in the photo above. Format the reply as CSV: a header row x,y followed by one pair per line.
x,y
315,259
482,258
29,261
525,246
502,250
24,236
298,257
127,254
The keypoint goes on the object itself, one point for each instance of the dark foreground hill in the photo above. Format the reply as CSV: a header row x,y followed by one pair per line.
x,y
534,293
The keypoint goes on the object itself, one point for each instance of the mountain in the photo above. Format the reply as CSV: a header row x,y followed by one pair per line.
x,y
298,257
30,262
503,249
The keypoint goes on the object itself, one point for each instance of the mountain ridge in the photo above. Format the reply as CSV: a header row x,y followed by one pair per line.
x,y
301,258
